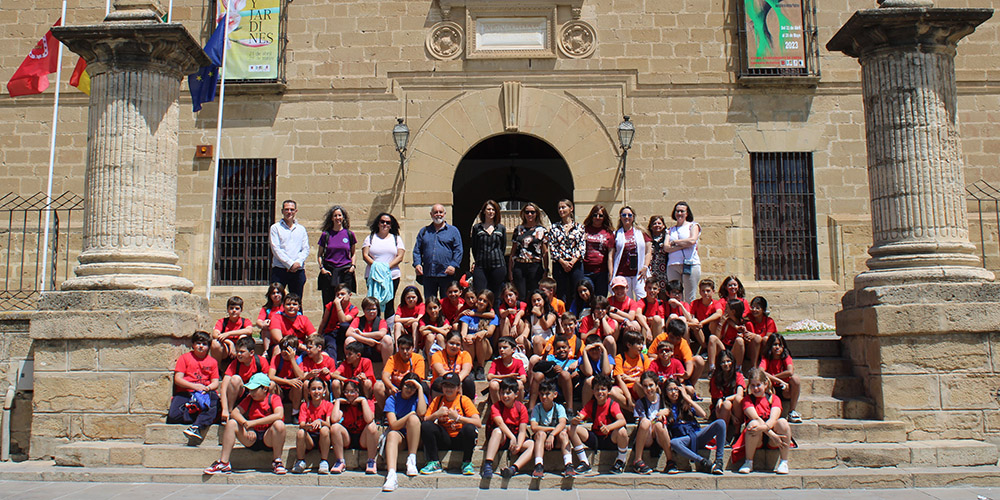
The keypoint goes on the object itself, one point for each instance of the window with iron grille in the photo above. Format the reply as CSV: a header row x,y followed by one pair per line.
x,y
245,211
784,216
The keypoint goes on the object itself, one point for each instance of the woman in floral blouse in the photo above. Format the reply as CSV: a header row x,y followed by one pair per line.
x,y
529,254
658,236
567,242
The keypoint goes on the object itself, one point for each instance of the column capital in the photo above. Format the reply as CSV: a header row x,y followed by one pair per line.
x,y
929,29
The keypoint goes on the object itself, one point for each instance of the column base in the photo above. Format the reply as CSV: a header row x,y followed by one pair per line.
x,y
929,275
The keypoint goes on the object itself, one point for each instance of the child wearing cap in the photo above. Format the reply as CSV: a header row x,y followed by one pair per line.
x,y
451,422
256,422
196,377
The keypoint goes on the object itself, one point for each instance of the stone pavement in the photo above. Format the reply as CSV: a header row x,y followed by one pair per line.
x,y
52,490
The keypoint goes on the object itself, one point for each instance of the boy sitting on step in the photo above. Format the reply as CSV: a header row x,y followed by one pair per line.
x,y
196,377
230,329
257,423
239,372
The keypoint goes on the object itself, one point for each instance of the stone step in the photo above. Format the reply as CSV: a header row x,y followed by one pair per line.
x,y
836,478
813,345
809,455
813,407
843,386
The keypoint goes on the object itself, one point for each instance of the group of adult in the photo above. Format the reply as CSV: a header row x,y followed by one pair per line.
x,y
593,250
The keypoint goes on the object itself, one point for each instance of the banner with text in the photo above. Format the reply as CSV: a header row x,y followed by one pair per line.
x,y
775,38
253,38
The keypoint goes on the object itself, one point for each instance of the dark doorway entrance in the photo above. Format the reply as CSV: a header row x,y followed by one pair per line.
x,y
508,168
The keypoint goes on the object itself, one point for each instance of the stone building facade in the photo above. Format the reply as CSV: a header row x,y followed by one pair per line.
x,y
673,66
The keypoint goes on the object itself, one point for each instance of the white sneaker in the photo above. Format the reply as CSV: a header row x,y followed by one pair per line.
x,y
411,466
391,482
782,467
747,467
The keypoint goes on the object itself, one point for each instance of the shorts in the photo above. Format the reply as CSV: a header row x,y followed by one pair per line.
x,y
258,444
314,436
778,391
355,443
596,441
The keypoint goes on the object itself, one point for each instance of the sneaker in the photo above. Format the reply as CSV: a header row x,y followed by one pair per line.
x,y
278,468
299,467
338,466
583,468
696,397
411,466
391,482
618,467
370,468
487,471
324,467
432,467
793,417
671,468
479,373
717,469
539,471
640,467
746,468
467,469
782,467
194,432
509,472
569,471
218,467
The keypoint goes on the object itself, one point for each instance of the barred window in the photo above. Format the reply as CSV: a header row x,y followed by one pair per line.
x,y
245,210
784,216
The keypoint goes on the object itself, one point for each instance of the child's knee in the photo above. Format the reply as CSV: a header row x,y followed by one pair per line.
x,y
278,426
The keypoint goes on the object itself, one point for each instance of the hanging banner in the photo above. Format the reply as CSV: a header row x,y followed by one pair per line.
x,y
253,39
775,38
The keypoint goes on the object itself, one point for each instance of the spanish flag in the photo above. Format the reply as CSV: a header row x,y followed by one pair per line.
x,y
80,79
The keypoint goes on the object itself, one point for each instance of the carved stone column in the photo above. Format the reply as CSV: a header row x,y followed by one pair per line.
x,y
105,344
921,325
136,63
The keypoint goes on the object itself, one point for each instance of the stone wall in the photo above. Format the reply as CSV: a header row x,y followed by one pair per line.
x,y
15,348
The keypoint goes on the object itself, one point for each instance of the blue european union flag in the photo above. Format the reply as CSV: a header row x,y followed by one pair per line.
x,y
202,84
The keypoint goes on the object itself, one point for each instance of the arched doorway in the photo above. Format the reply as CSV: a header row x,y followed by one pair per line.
x,y
512,168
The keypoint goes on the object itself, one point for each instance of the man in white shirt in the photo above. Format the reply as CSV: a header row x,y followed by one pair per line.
x,y
290,247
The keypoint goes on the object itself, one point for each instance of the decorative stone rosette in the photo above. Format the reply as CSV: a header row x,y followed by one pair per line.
x,y
446,40
577,39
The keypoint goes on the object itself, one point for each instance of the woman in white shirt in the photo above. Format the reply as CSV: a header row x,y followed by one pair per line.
x,y
385,245
681,248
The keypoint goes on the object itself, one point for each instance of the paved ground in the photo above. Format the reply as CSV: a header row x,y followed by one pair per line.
x,y
51,490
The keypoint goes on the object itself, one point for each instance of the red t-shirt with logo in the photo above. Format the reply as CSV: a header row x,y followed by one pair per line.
x,y
299,325
253,409
354,418
197,371
247,371
673,368
600,415
309,413
325,361
599,242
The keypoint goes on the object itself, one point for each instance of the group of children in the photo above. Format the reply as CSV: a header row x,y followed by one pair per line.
x,y
557,379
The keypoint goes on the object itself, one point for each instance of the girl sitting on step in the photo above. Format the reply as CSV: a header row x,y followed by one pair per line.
x,y
776,363
765,427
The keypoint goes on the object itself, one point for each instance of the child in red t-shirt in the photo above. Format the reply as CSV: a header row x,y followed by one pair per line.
x,y
727,388
732,332
512,312
337,317
624,309
286,371
230,329
432,329
650,312
314,428
706,310
256,423
246,365
354,428
777,364
507,429
607,431
764,427
408,314
760,318
195,373
274,298
665,365
370,331
289,321
599,322
355,367
453,304
506,367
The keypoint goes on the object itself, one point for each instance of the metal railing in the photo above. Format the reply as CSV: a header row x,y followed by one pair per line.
x,y
22,228
984,192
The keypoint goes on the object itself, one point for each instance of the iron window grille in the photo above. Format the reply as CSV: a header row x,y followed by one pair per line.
x,y
244,213
784,216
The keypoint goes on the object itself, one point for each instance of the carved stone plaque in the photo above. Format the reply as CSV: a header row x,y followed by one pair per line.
x,y
577,39
500,33
446,40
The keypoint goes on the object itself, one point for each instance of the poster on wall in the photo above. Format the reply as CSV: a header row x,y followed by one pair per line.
x,y
775,38
253,38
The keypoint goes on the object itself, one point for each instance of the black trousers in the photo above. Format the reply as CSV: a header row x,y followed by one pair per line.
x,y
436,438
327,283
526,276
489,279
566,281
294,282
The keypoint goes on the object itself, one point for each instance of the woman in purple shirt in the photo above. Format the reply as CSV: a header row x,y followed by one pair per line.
x,y
336,253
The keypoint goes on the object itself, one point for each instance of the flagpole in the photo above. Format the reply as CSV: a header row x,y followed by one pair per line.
x,y
218,153
170,12
107,8
52,160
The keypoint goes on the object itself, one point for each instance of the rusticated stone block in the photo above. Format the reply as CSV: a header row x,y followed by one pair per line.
x,y
911,391
969,391
103,426
140,355
50,355
934,353
80,392
50,425
943,424
81,355
150,392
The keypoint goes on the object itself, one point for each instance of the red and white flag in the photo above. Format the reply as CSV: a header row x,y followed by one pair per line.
x,y
32,77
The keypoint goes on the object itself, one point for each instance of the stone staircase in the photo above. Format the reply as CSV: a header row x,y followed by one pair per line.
x,y
837,441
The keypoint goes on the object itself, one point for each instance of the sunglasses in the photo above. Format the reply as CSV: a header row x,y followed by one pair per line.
x,y
627,216
386,222
530,212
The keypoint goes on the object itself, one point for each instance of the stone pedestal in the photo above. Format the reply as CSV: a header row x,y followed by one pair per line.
x,y
105,345
921,323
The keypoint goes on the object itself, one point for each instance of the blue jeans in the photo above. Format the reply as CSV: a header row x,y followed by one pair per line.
x,y
683,445
566,281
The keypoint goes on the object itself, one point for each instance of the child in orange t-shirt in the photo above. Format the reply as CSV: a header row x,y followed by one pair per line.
x,y
404,362
451,422
453,360
629,366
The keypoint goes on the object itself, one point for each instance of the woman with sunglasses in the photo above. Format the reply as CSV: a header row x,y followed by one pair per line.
x,y
600,245
384,245
633,252
529,255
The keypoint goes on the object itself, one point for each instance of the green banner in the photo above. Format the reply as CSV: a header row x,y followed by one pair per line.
x,y
775,38
253,39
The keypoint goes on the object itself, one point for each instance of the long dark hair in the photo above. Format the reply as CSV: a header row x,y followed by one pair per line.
x,y
439,321
270,289
723,288
393,226
328,224
775,338
607,219
725,381
546,305
578,304
496,208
